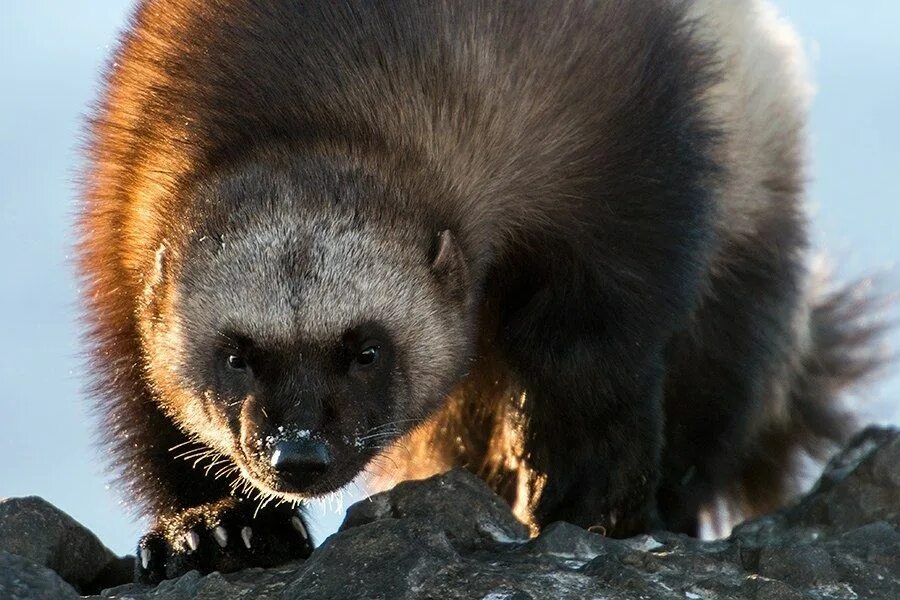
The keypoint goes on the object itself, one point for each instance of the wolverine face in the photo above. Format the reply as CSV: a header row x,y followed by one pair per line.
x,y
300,338
303,416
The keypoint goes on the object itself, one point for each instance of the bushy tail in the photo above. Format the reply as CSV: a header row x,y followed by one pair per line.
x,y
844,350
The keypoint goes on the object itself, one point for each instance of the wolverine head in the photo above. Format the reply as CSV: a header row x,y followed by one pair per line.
x,y
306,319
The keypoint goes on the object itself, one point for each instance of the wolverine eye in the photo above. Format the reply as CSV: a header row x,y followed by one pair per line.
x,y
368,356
236,362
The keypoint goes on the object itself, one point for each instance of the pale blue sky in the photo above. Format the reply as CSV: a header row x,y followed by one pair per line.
x,y
50,55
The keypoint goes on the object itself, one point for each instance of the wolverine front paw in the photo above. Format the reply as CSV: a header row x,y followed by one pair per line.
x,y
624,523
225,536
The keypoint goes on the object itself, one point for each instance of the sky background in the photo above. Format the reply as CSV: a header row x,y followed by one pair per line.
x,y
51,53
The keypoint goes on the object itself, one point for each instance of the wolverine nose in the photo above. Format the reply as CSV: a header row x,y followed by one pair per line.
x,y
300,456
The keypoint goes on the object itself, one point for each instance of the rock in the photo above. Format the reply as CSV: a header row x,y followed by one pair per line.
x,y
449,538
35,529
352,565
567,541
799,564
481,518
859,486
251,584
21,579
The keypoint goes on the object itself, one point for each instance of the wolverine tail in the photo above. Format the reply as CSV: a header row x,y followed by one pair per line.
x,y
842,351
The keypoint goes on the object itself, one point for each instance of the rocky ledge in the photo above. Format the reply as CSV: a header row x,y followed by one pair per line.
x,y
450,537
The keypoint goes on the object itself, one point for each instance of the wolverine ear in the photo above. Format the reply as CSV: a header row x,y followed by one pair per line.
x,y
449,264
159,266
150,298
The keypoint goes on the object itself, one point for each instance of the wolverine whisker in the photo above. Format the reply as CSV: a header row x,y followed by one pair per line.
x,y
176,446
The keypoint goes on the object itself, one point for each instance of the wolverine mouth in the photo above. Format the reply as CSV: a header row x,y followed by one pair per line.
x,y
299,465
296,487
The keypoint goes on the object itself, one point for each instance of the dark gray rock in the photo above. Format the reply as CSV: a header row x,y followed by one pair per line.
x,y
567,541
481,519
804,565
861,485
416,552
251,584
35,529
21,579
450,538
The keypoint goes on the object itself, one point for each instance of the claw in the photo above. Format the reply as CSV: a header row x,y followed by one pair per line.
x,y
145,557
221,536
246,534
298,525
193,540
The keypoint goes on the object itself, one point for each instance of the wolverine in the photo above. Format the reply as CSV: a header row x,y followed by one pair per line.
x,y
560,243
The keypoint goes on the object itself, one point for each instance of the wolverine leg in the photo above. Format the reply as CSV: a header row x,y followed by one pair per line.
x,y
593,411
